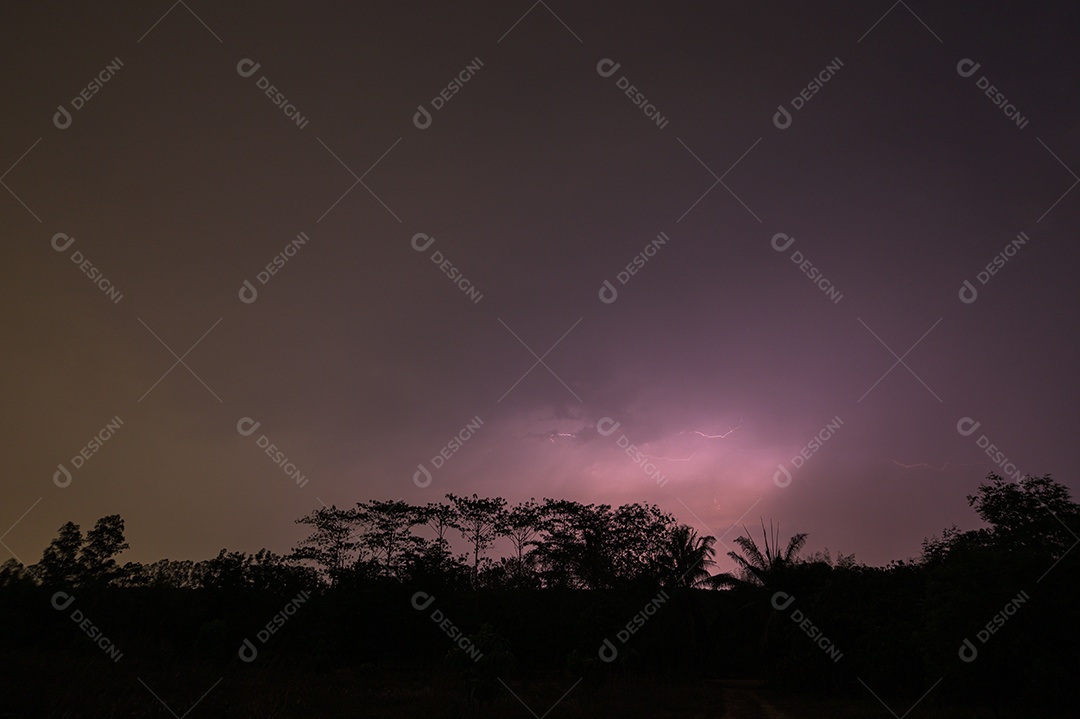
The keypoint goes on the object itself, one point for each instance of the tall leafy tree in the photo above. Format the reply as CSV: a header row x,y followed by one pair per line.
x,y
521,525
97,558
441,517
563,554
1023,551
577,550
639,541
479,520
430,562
386,533
60,561
593,546
1035,513
330,545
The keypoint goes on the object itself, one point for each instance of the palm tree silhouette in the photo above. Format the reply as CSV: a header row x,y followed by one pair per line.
x,y
685,559
761,572
761,569
689,557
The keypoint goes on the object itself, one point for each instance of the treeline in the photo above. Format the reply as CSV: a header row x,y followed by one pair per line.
x,y
559,585
547,545
73,560
553,544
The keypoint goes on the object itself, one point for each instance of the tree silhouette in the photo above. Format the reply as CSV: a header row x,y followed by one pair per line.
x,y
97,558
1034,513
479,520
441,517
60,561
386,533
757,568
521,525
330,543
431,563
228,570
1024,549
74,560
688,558
575,551
13,573
595,547
639,534
174,574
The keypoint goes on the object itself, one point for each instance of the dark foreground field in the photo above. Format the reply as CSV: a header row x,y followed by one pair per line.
x,y
54,686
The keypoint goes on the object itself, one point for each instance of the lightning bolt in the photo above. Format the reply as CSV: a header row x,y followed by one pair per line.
x,y
942,468
715,436
553,435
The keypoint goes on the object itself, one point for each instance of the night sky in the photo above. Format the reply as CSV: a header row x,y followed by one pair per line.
x,y
807,294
